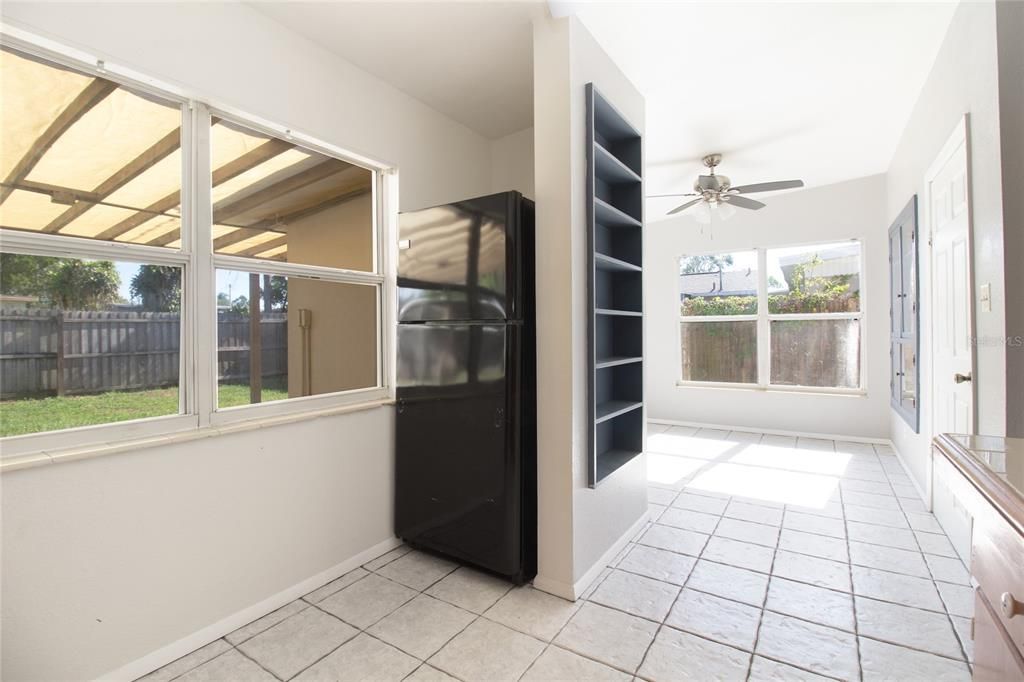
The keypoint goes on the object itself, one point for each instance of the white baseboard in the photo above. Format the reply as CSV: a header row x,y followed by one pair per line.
x,y
774,432
186,645
926,497
574,591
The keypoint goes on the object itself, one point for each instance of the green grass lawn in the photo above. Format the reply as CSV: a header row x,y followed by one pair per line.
x,y
32,415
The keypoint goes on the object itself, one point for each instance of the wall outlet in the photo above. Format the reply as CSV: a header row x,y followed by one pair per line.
x,y
985,298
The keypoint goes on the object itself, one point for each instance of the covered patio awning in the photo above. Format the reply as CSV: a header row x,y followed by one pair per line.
x,y
83,156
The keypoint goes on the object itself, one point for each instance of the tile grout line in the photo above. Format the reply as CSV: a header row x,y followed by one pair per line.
x,y
682,588
853,591
764,603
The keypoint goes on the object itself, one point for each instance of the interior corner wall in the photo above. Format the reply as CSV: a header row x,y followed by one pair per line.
x,y
577,525
512,163
963,79
555,241
846,210
108,560
601,515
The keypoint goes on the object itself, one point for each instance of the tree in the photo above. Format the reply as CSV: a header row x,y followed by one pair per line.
x,y
158,287
713,263
68,283
240,305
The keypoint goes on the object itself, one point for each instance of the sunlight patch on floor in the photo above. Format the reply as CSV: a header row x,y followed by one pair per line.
x,y
808,461
771,485
671,470
688,446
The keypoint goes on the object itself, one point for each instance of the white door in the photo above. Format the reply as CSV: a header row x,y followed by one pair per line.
x,y
952,354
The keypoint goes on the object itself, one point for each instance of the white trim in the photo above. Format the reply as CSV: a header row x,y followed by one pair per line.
x,y
798,317
210,633
298,270
925,495
780,388
576,590
204,311
775,432
718,318
46,443
68,246
291,406
75,450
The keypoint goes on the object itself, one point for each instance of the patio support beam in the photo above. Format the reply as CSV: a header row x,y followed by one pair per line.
x,y
94,93
133,169
243,163
263,226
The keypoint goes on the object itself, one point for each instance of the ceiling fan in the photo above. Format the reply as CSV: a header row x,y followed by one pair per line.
x,y
718,190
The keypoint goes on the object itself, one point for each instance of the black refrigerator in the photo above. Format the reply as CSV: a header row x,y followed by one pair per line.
x,y
465,423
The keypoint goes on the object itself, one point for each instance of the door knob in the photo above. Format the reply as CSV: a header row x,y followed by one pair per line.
x,y
1010,606
961,378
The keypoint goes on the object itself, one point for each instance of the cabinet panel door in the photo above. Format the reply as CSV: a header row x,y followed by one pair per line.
x,y
995,658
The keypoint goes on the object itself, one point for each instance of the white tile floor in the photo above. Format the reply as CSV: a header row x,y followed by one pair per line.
x,y
768,558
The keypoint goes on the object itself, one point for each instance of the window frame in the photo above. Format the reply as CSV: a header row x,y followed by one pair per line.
x,y
197,383
764,320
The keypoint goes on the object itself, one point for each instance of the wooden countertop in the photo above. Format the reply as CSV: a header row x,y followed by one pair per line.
x,y
994,466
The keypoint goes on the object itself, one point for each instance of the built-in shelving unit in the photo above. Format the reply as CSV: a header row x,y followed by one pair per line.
x,y
616,302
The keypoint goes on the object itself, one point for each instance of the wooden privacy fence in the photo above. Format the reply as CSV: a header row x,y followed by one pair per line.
x,y
803,352
72,352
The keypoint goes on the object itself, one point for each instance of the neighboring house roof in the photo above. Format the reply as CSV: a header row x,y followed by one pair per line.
x,y
843,259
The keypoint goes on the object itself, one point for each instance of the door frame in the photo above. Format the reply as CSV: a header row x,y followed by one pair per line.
x,y
959,136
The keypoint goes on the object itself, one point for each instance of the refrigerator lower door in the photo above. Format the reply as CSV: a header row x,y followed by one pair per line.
x,y
457,469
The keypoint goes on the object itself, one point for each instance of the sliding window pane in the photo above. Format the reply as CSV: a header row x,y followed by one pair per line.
x,y
718,284
719,351
84,156
823,278
312,337
273,200
86,342
820,353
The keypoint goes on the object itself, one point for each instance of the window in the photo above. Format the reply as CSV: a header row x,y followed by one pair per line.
x,y
718,301
903,315
160,260
780,317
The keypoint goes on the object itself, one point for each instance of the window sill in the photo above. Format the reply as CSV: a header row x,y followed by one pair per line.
x,y
814,391
71,454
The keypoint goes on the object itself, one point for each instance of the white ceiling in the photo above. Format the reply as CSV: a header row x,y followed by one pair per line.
x,y
472,61
816,90
819,91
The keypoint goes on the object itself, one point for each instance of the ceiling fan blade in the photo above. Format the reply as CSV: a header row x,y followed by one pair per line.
x,y
769,186
744,202
685,206
688,194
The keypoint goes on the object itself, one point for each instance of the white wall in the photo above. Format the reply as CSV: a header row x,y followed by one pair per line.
x,y
963,80
512,163
847,210
107,560
577,525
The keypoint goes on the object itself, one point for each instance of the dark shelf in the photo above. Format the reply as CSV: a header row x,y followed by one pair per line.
x,y
616,360
613,408
608,215
609,168
603,262
615,283
610,460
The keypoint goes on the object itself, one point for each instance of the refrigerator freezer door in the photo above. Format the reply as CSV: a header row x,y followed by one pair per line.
x,y
460,261
458,469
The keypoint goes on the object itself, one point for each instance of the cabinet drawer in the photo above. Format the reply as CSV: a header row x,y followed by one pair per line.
x,y
997,563
995,657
